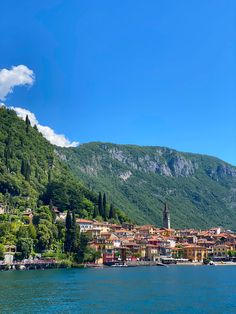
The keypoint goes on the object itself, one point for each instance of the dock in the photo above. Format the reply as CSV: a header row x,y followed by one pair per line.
x,y
29,264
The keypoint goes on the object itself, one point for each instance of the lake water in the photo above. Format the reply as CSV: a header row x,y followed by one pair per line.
x,y
176,289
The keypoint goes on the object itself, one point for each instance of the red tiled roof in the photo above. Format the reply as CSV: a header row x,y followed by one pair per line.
x,y
84,221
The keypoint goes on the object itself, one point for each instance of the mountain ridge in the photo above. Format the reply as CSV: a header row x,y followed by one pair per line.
x,y
200,189
203,185
155,146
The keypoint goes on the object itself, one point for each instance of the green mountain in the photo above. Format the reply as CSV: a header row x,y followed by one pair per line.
x,y
32,175
33,181
29,168
200,190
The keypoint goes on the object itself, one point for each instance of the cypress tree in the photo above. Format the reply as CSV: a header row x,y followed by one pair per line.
x,y
73,218
27,171
68,221
27,122
68,239
95,211
112,212
104,205
22,169
100,205
74,234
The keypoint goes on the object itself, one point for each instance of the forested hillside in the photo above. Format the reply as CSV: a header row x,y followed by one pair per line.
x,y
200,190
30,173
34,181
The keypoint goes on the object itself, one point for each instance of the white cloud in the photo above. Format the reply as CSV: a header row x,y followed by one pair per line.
x,y
47,132
22,75
16,76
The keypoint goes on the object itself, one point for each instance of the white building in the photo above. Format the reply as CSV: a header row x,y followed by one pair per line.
x,y
84,224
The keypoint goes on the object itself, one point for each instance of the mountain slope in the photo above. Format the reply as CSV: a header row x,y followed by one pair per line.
x,y
32,175
200,190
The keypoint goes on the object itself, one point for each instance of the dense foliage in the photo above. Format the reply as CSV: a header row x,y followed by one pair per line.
x,y
200,190
34,179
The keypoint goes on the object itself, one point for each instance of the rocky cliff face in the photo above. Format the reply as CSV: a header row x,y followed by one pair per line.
x,y
201,190
177,166
163,161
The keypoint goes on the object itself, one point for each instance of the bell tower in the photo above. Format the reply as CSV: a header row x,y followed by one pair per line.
x,y
166,217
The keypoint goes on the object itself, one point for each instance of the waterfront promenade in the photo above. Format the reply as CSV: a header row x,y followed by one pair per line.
x,y
29,264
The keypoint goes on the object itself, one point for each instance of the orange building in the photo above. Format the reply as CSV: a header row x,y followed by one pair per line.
x,y
194,253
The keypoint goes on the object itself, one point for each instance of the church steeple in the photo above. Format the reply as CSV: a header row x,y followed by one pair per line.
x,y
166,217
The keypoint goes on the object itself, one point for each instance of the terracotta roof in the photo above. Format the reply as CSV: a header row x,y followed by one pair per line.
x,y
84,221
123,231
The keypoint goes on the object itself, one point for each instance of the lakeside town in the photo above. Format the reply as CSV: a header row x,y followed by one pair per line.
x,y
127,244
135,245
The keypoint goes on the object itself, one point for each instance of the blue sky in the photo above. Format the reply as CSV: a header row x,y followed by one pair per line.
x,y
142,72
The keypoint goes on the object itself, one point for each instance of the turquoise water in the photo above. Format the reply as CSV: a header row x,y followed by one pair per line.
x,y
176,289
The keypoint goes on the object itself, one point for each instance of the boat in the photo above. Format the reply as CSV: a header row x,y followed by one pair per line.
x,y
119,265
161,264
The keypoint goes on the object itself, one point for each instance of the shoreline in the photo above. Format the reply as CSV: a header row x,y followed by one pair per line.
x,y
101,266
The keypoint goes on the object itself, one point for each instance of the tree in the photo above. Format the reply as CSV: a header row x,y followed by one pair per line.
x,y
112,212
95,211
2,251
91,255
23,232
25,246
25,169
100,205
49,176
50,161
36,174
68,220
32,231
104,205
68,238
44,235
75,233
82,247
51,207
8,151
27,122
61,230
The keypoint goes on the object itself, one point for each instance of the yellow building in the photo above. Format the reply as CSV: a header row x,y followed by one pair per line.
x,y
152,252
93,233
142,251
222,250
194,253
